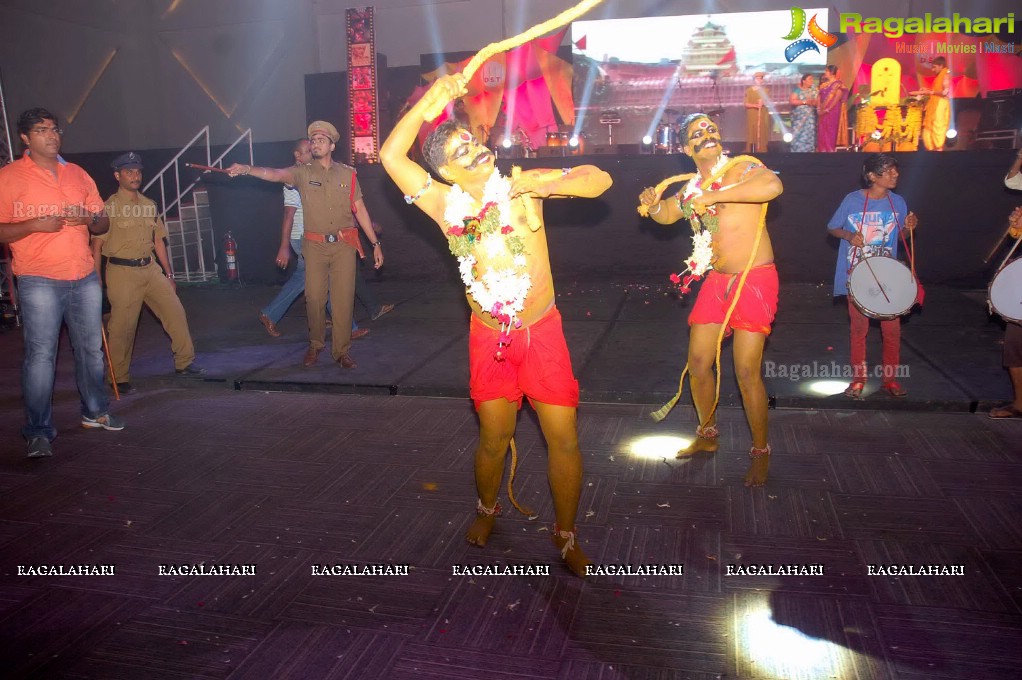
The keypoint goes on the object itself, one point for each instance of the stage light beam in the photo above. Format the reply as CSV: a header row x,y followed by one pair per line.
x,y
788,137
647,140
661,447
506,143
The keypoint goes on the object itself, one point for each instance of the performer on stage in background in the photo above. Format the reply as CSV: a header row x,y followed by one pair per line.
x,y
803,115
868,223
757,116
727,198
832,123
493,224
937,115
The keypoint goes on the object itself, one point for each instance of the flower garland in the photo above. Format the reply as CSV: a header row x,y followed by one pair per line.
x,y
703,227
693,189
502,289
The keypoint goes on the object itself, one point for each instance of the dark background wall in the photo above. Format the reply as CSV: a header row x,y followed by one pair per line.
x,y
959,197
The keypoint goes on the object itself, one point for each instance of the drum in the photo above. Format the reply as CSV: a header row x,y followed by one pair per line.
x,y
555,139
1005,292
894,296
666,138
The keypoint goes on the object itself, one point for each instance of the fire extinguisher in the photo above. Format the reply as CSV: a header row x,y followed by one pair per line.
x,y
231,256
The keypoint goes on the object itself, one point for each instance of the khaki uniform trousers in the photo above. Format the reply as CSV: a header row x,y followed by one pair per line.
x,y
329,267
128,288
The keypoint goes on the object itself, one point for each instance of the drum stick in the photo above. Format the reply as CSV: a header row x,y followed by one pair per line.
x,y
997,247
565,17
206,168
1010,252
870,268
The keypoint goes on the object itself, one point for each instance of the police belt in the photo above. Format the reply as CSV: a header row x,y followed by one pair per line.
x,y
349,236
140,262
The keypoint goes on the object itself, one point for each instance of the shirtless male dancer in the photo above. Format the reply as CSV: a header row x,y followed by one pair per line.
x,y
516,344
731,208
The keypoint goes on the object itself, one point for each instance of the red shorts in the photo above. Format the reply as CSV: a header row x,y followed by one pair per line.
x,y
536,364
756,307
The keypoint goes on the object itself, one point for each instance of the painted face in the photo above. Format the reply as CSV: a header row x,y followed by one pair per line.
x,y
703,136
466,158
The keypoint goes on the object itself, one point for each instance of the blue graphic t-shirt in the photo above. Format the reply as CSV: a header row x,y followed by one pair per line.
x,y
878,225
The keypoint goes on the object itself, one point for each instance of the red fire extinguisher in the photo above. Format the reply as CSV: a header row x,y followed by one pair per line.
x,y
231,256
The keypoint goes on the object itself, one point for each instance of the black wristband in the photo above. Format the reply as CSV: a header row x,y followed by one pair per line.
x,y
375,244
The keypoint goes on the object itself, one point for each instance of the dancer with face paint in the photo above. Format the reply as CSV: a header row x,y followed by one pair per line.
x,y
494,227
726,203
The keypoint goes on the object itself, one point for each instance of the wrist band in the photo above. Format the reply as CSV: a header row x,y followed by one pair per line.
x,y
412,199
376,244
659,207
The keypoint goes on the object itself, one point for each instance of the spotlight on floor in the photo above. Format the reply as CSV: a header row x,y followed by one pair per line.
x,y
506,143
647,140
788,137
825,388
573,142
658,447
951,133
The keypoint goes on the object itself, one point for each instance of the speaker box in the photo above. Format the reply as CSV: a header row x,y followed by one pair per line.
x,y
551,151
628,149
603,149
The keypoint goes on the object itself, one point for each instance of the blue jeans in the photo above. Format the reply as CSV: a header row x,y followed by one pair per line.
x,y
293,287
45,303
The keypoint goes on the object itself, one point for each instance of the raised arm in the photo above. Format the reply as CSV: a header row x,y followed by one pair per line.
x,y
410,177
279,175
583,181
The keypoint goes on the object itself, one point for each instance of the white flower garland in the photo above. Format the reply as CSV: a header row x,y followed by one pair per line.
x,y
501,291
702,253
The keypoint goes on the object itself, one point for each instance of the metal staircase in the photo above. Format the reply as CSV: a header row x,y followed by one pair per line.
x,y
185,209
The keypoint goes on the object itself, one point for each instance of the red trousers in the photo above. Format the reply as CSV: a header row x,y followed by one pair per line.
x,y
890,332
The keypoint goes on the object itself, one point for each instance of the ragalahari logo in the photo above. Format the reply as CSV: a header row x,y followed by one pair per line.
x,y
803,45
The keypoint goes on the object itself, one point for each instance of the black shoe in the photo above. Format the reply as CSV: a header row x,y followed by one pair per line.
x,y
39,447
191,371
126,388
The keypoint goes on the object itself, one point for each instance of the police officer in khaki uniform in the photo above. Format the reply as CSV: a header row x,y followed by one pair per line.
x,y
331,202
133,277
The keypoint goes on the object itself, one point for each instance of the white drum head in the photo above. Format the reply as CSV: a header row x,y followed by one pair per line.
x,y
1006,292
882,287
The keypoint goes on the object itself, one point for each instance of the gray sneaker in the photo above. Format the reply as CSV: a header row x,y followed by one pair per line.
x,y
105,421
39,447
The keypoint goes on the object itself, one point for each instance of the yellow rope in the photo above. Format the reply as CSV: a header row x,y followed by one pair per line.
x,y
565,17
511,479
659,190
662,412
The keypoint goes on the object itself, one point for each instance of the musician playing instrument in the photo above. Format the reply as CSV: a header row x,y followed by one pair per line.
x,y
1012,355
868,222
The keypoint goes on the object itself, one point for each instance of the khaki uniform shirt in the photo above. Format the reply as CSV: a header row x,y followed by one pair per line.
x,y
326,196
134,226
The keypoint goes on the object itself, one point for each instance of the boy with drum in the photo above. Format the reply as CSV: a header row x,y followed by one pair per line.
x,y
1013,333
869,222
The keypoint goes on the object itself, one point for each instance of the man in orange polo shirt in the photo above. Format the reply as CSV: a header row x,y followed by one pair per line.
x,y
48,209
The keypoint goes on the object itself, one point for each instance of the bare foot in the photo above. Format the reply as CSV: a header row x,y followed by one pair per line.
x,y
574,558
757,474
700,445
479,532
